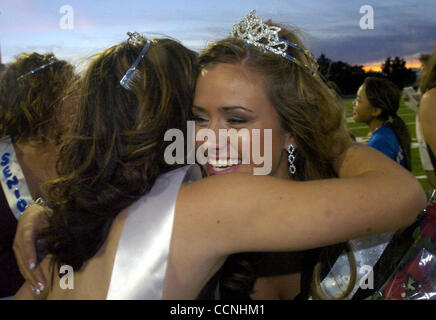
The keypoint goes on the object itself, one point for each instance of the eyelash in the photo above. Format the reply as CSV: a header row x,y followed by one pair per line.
x,y
231,120
198,119
237,120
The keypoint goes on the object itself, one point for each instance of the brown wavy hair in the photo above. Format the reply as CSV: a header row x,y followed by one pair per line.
x,y
428,80
307,109
29,107
115,150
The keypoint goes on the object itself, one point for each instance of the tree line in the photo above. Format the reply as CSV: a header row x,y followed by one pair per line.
x,y
348,78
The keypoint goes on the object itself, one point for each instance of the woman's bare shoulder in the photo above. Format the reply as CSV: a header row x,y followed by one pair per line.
x,y
427,107
428,100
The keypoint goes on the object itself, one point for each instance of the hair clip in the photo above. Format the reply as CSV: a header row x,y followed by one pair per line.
x,y
132,74
51,61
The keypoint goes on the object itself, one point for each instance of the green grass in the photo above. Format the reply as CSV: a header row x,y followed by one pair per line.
x,y
361,130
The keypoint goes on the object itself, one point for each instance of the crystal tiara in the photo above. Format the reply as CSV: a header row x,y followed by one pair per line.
x,y
254,31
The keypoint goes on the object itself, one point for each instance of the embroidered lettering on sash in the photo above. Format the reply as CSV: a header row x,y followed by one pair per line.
x,y
12,179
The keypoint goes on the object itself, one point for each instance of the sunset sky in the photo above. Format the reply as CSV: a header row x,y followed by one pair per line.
x,y
376,66
401,28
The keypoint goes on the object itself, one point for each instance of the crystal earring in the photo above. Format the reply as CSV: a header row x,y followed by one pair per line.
x,y
291,159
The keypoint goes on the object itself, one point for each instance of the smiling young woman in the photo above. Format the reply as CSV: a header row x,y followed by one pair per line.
x,y
244,88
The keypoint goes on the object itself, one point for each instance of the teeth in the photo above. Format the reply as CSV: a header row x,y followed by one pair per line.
x,y
219,169
223,162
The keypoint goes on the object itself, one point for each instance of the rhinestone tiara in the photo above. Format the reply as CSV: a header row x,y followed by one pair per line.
x,y
254,31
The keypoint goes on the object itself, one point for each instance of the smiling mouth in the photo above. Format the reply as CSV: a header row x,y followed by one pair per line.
x,y
222,166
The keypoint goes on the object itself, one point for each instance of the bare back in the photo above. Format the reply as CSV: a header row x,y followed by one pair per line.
x,y
93,279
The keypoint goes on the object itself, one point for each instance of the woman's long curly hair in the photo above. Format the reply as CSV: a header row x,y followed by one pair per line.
x,y
30,105
115,149
307,109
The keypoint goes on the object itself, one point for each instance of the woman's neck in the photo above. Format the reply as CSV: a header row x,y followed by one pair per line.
x,y
38,162
281,170
376,123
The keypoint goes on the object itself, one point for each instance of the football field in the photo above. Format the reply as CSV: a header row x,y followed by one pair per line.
x,y
361,130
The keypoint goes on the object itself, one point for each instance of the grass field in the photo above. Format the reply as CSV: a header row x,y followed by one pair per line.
x,y
360,130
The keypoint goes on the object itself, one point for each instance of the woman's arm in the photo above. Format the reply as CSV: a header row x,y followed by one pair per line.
x,y
427,118
240,212
31,222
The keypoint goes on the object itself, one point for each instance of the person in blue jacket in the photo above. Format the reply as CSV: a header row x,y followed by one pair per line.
x,y
376,104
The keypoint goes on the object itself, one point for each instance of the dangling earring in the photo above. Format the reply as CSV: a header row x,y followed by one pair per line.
x,y
291,159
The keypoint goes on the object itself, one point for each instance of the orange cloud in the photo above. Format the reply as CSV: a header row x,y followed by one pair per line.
x,y
376,66
373,68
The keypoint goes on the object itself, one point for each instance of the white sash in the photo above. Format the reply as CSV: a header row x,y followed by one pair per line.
x,y
367,251
12,179
142,254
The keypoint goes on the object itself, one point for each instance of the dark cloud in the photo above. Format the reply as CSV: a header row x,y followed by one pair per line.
x,y
399,30
359,49
332,27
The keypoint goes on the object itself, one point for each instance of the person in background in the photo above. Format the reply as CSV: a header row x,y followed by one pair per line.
x,y
412,99
427,107
377,101
31,91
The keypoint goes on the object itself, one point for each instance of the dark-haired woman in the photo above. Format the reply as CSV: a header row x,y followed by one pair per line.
x,y
377,102
133,227
31,89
